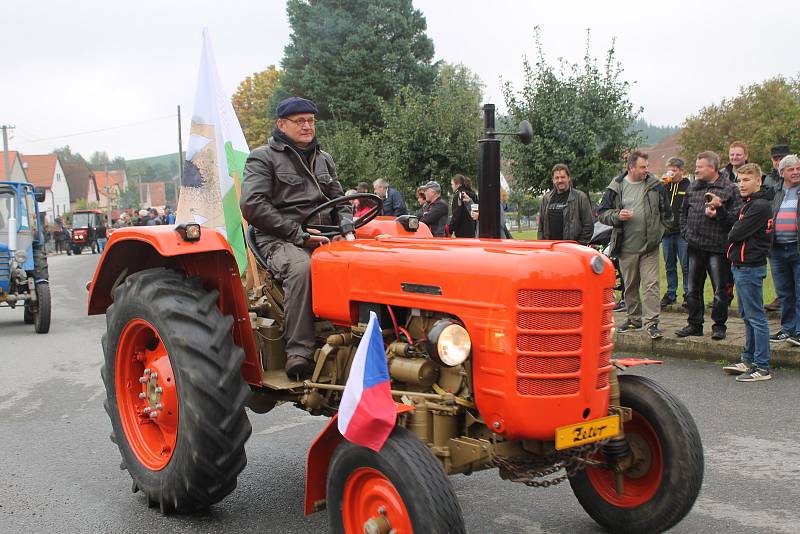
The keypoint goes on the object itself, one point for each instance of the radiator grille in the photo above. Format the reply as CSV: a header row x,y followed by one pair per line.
x,y
548,364
605,338
608,318
605,358
608,295
549,298
602,381
5,265
549,343
548,320
547,386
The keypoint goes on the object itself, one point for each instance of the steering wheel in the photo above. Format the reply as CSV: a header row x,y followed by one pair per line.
x,y
329,230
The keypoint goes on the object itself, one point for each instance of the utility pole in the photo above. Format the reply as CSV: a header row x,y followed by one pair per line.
x,y
5,128
108,192
180,148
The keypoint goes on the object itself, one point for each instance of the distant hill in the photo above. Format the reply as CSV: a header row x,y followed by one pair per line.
x,y
168,160
652,134
659,154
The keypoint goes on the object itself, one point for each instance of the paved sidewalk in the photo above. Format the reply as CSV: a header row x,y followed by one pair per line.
x,y
701,348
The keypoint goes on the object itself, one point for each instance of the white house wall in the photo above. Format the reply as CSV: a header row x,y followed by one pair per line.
x,y
56,202
60,192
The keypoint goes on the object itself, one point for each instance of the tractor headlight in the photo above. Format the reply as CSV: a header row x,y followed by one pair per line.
x,y
598,264
449,342
189,231
20,256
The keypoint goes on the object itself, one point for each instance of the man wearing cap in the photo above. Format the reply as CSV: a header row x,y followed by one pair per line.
x,y
673,244
434,214
284,181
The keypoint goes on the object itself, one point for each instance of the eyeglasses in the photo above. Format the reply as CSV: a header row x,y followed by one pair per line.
x,y
303,122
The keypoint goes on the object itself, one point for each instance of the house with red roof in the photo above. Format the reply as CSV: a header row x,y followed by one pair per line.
x,y
153,194
45,170
82,185
15,163
110,186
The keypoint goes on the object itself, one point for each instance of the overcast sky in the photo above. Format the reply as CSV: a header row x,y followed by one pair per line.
x,y
71,67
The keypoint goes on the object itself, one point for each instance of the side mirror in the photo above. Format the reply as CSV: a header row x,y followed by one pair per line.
x,y
40,194
525,132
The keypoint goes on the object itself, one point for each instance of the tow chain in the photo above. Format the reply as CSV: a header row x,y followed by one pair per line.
x,y
533,470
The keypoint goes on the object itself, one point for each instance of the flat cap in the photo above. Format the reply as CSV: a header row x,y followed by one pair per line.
x,y
293,105
778,151
433,185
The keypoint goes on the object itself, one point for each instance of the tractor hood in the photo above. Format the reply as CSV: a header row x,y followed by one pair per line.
x,y
465,277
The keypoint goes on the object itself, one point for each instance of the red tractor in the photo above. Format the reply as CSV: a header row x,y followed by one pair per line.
x,y
84,223
499,353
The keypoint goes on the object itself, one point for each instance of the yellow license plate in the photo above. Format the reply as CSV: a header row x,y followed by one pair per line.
x,y
588,432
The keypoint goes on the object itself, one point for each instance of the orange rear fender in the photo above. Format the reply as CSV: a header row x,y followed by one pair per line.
x,y
134,249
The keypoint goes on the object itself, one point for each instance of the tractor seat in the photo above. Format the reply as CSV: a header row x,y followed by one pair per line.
x,y
250,238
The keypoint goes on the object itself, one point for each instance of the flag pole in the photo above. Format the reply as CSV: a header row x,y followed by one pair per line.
x,y
252,278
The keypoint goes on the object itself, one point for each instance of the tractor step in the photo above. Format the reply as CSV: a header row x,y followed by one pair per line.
x,y
278,379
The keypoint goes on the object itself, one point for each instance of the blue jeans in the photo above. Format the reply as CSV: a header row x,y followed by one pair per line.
x,y
785,264
675,248
749,282
101,244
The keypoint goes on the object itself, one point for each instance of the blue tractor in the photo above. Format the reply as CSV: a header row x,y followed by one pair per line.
x,y
23,259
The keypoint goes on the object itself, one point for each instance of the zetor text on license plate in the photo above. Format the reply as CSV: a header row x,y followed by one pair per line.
x,y
587,432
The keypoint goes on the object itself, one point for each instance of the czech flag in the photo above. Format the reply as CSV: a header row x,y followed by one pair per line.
x,y
367,413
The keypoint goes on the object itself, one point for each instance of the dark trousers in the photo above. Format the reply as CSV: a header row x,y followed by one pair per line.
x,y
717,266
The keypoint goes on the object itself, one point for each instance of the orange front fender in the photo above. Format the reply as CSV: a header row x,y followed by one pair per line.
x,y
137,248
319,458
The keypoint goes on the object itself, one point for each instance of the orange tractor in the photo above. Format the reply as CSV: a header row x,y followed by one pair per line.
x,y
499,352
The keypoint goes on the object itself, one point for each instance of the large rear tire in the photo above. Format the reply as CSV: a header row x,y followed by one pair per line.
x,y
41,317
661,489
169,352
404,485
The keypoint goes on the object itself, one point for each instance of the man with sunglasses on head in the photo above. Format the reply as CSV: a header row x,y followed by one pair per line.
x,y
284,181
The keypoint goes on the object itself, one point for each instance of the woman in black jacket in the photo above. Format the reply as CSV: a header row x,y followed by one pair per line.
x,y
461,223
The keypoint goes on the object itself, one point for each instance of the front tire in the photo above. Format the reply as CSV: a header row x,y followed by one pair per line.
x,y
168,351
41,317
403,485
660,491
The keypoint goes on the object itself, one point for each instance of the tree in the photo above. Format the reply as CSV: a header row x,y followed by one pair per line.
x,y
349,56
432,136
762,115
66,155
581,116
129,197
84,204
354,153
251,102
652,134
98,160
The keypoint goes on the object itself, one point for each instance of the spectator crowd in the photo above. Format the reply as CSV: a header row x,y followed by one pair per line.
x,y
721,223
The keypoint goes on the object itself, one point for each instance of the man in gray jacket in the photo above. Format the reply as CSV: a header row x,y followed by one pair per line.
x,y
637,206
285,180
566,212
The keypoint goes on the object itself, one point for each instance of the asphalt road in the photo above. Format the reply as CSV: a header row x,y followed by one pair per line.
x,y
60,472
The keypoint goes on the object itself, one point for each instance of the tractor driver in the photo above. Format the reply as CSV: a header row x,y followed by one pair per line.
x,y
284,181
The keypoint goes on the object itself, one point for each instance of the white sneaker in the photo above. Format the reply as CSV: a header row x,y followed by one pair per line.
x,y
737,369
755,375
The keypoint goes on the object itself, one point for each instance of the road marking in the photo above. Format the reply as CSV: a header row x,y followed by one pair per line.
x,y
772,520
778,459
517,523
280,428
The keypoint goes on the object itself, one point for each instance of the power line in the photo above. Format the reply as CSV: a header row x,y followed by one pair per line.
x,y
103,129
